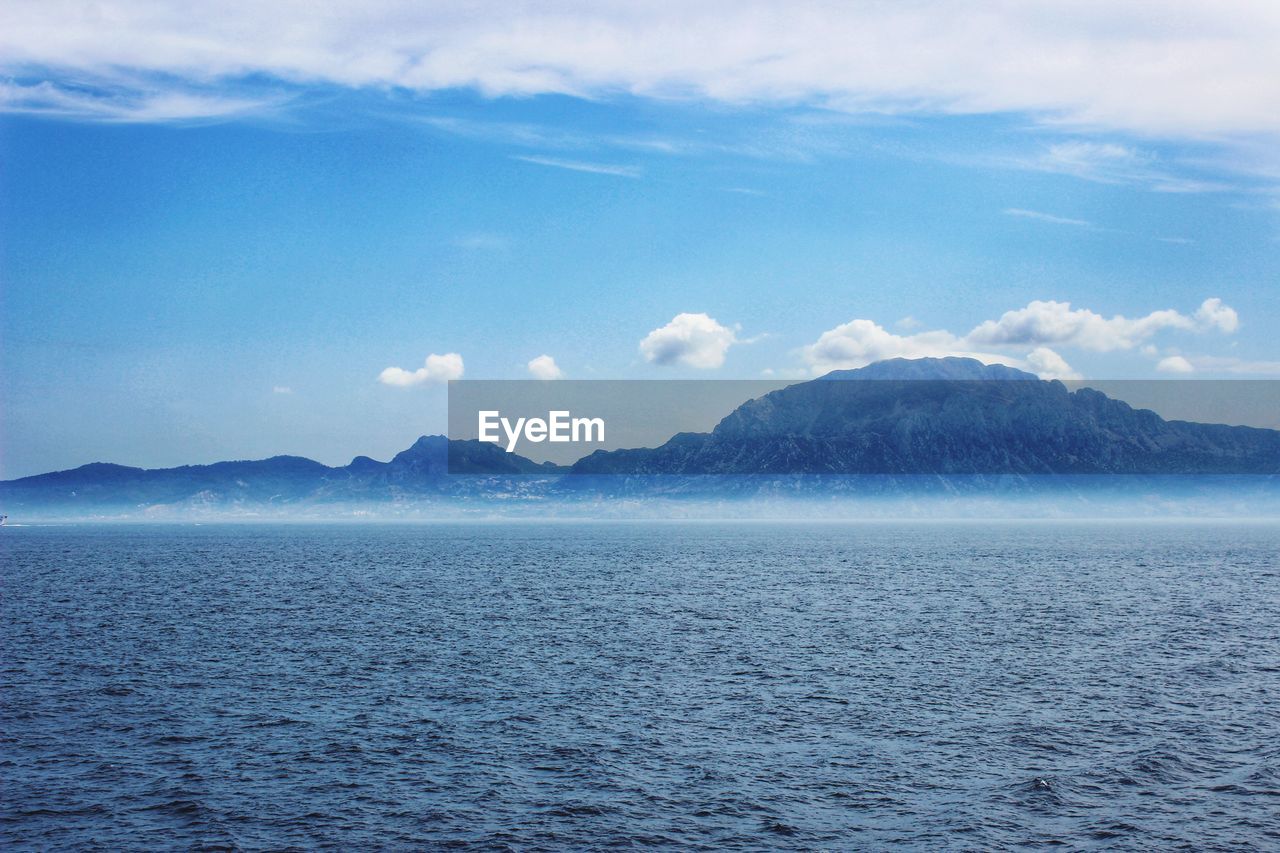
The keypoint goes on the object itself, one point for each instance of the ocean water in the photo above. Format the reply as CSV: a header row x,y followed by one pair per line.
x,y
713,686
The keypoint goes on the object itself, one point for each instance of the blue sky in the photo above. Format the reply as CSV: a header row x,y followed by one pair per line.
x,y
205,259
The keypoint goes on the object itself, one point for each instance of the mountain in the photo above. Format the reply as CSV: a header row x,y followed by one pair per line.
x,y
951,416
900,427
422,470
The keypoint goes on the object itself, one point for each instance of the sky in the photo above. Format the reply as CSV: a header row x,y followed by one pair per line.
x,y
242,231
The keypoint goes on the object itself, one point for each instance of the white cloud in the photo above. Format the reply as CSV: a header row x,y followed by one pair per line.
x,y
281,389
1187,68
695,340
1112,163
135,105
545,367
1050,322
436,368
1107,162
481,242
1238,366
1046,217
1047,364
1223,317
860,342
580,166
1021,338
1174,364
785,373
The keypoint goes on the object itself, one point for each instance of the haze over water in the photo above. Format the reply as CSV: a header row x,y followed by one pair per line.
x,y
704,685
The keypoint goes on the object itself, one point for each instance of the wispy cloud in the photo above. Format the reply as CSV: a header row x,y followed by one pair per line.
x,y
128,104
531,135
1115,163
583,166
1195,71
482,242
1046,217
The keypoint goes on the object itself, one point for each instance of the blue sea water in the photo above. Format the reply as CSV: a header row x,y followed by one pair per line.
x,y
713,686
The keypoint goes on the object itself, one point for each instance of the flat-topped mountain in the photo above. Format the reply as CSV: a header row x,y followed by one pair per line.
x,y
946,416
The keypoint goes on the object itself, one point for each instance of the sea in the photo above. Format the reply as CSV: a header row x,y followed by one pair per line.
x,y
682,685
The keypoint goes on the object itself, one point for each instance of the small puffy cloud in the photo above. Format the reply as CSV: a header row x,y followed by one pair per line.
x,y
1047,364
545,367
436,368
1212,313
784,373
281,389
695,340
1174,364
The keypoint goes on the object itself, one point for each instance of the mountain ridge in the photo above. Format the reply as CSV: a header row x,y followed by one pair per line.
x,y
936,417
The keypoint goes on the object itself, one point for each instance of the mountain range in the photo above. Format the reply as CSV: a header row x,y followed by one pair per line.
x,y
891,426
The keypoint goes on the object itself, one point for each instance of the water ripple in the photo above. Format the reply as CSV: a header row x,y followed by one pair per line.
x,y
695,686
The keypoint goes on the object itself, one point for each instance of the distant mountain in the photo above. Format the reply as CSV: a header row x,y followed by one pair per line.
x,y
945,416
423,469
897,427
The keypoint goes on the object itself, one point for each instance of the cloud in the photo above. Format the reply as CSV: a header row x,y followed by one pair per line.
x,y
580,166
1222,317
545,367
1113,163
1046,217
1107,162
127,105
695,340
1025,337
860,342
1174,364
436,369
1217,364
1050,322
282,389
480,242
1047,364
1187,68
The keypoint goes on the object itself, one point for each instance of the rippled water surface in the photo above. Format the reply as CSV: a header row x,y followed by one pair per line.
x,y
580,685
